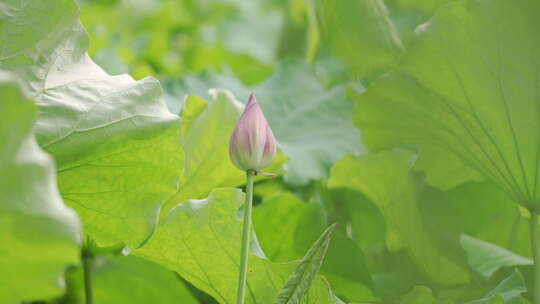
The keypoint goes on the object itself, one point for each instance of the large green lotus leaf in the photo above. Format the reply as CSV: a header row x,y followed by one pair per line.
x,y
362,33
469,85
300,224
386,180
200,239
113,139
40,235
446,170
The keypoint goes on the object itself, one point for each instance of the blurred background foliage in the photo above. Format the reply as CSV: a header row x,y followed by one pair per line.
x,y
414,224
195,45
178,38
242,41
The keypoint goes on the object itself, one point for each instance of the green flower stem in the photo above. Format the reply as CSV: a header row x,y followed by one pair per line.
x,y
246,237
87,265
536,255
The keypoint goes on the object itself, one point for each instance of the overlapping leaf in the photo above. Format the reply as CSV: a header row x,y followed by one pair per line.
x,y
468,85
113,139
40,235
300,224
200,239
394,192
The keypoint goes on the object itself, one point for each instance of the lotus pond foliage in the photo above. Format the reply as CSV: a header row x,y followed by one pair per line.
x,y
391,154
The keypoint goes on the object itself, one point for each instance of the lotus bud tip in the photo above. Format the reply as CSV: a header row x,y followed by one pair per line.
x,y
252,145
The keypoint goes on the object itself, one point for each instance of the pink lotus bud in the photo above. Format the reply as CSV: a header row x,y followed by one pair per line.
x,y
252,144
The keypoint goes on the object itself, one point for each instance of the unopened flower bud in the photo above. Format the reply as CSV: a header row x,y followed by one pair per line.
x,y
252,145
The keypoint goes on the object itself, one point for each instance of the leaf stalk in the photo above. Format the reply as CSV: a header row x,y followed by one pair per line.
x,y
87,259
535,246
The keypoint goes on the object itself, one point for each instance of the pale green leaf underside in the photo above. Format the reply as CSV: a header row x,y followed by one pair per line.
x,y
39,235
200,239
469,84
112,137
394,193
508,291
487,258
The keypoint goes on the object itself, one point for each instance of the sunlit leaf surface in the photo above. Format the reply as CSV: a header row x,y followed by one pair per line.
x,y
114,142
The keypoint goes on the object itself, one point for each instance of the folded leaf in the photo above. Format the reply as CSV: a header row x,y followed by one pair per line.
x,y
39,235
115,143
